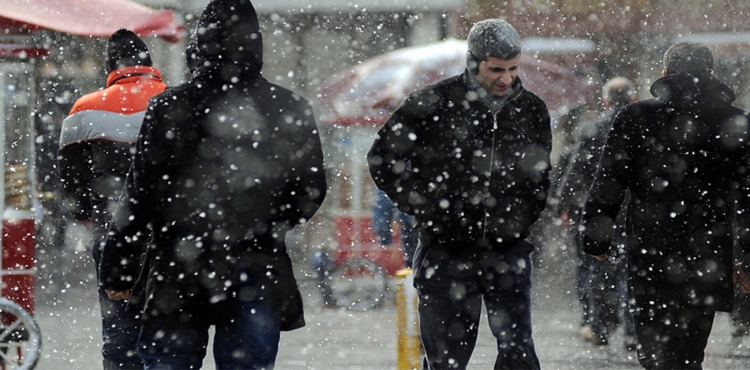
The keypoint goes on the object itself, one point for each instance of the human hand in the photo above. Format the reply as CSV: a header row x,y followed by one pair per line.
x,y
741,278
601,257
118,295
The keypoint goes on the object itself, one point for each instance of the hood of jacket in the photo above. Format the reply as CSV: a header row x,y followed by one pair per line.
x,y
226,41
694,93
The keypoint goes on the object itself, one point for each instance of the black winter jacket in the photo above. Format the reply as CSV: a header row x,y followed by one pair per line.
x,y
226,164
684,158
466,174
580,164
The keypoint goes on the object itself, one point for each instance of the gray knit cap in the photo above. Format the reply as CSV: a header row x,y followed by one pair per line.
x,y
494,38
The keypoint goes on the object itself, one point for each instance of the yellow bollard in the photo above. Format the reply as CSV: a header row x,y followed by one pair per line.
x,y
407,322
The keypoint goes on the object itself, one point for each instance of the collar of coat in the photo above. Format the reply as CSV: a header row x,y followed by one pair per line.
x,y
140,72
693,92
495,103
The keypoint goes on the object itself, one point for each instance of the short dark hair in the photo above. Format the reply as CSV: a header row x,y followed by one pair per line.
x,y
691,57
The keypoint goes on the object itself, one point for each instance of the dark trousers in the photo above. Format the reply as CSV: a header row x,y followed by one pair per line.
x,y
602,289
120,328
451,290
608,296
246,337
672,337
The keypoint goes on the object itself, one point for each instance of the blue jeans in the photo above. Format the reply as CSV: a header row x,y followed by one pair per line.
x,y
451,289
246,337
120,328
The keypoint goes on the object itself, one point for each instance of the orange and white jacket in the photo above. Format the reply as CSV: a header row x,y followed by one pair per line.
x,y
97,142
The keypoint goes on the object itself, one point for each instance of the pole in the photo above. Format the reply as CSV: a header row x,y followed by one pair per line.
x,y
407,323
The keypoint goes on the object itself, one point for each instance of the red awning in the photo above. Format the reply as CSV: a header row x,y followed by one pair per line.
x,y
95,18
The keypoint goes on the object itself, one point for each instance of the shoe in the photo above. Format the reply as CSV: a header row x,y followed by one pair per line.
x,y
589,336
737,347
740,331
631,344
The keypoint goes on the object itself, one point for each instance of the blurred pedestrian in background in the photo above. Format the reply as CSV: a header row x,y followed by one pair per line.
x,y
96,149
226,164
469,158
601,286
684,158
383,214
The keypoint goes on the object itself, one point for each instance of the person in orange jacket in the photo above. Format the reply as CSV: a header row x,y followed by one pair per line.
x,y
96,149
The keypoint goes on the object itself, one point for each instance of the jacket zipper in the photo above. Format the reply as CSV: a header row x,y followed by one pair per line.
x,y
489,174
492,156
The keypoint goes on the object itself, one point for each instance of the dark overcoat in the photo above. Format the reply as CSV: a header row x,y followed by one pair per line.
x,y
469,175
226,164
684,157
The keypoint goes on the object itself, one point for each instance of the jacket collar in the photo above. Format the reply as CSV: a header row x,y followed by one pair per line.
x,y
139,72
692,92
480,93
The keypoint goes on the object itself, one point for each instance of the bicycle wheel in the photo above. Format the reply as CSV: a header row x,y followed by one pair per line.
x,y
358,284
20,337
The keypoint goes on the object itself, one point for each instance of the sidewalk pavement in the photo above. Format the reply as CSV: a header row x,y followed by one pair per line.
x,y
340,339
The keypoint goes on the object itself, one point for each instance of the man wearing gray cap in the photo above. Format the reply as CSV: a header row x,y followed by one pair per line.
x,y
469,158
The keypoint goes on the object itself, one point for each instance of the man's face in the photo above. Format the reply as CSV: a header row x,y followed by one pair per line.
x,y
497,75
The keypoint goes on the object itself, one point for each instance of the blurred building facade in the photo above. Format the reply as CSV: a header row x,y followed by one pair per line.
x,y
632,35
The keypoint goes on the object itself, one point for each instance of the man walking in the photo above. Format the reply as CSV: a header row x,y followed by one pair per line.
x,y
226,164
469,158
96,149
683,155
602,285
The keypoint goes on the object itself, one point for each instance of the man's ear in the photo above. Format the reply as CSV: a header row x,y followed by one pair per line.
x,y
664,73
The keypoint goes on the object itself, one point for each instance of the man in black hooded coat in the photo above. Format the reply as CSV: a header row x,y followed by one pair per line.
x,y
684,157
226,164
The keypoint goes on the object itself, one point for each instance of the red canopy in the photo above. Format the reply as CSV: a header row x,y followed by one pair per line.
x,y
96,18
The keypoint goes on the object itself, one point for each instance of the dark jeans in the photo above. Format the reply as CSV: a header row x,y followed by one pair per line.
x,y
451,290
607,289
582,277
120,328
246,337
602,289
671,337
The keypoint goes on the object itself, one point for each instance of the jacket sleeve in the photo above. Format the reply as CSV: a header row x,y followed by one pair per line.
x,y
389,157
76,173
539,179
130,228
742,213
307,184
608,189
